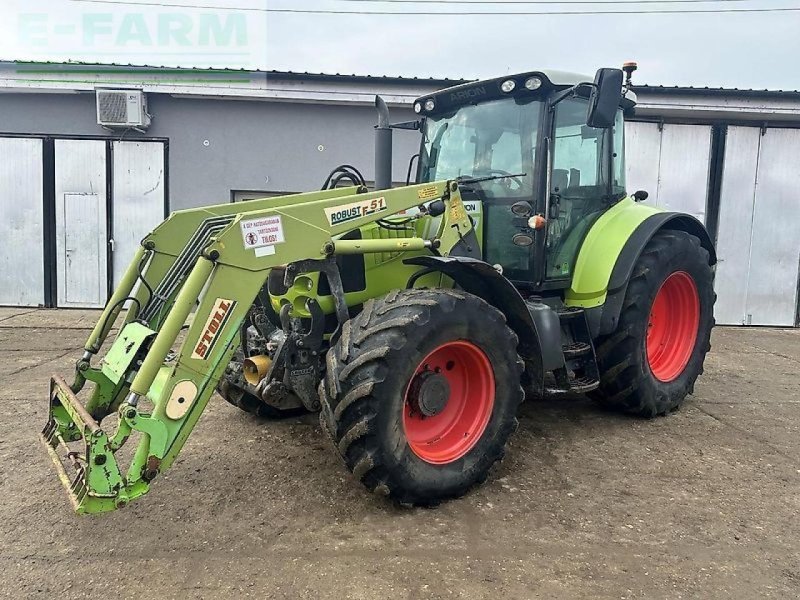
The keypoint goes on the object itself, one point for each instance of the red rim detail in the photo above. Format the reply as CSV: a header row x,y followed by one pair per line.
x,y
672,328
463,402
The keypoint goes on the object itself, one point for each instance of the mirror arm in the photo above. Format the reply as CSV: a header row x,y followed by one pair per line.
x,y
411,125
569,93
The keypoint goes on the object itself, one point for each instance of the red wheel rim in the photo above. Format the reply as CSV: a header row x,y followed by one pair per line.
x,y
462,369
672,328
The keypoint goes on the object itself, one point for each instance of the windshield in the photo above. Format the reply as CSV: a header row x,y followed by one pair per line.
x,y
491,138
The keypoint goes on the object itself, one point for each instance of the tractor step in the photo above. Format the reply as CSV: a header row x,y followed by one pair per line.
x,y
575,385
574,349
579,374
582,385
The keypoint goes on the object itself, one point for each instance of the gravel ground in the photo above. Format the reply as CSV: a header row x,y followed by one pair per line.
x,y
701,504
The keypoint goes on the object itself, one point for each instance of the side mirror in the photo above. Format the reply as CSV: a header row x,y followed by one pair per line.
x,y
605,97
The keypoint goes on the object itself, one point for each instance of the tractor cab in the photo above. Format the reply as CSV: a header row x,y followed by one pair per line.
x,y
538,154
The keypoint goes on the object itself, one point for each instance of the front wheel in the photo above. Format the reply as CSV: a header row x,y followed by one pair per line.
x,y
651,362
421,393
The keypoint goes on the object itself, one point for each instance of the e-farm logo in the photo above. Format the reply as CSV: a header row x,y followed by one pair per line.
x,y
156,36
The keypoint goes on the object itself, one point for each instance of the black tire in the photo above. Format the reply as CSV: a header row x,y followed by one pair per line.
x,y
373,362
627,382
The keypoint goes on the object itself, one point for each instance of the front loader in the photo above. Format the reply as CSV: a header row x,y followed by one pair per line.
x,y
414,319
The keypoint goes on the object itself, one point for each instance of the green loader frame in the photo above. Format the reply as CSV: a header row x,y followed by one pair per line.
x,y
231,251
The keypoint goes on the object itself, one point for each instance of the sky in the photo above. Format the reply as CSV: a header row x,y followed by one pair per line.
x,y
742,49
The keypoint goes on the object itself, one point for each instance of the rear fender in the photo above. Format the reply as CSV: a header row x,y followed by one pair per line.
x,y
608,255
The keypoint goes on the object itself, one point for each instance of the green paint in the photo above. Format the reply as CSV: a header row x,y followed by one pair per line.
x,y
172,326
118,360
600,250
380,246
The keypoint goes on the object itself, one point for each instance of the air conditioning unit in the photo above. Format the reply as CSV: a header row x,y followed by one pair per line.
x,y
122,109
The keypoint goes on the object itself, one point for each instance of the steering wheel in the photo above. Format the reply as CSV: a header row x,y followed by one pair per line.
x,y
509,179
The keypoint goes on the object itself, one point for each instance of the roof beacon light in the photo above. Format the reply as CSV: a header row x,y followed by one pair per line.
x,y
508,85
629,67
533,83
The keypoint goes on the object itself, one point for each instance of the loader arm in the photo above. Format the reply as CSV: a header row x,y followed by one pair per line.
x,y
213,260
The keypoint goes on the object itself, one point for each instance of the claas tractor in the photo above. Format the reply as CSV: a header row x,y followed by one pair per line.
x,y
414,319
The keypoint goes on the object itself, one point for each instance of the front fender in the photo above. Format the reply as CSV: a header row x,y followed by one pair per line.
x,y
538,330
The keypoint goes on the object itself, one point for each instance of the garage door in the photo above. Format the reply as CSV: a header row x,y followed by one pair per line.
x,y
671,162
81,232
758,242
139,197
21,222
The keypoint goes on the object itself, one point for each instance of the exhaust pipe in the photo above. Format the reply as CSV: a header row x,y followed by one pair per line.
x,y
383,147
255,368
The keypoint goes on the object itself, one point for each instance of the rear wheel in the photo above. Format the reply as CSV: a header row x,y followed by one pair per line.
x,y
651,362
421,393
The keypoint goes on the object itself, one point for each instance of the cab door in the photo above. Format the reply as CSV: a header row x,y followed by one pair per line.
x,y
586,178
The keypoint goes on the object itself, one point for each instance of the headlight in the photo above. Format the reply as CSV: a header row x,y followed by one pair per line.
x,y
508,85
417,107
533,83
430,104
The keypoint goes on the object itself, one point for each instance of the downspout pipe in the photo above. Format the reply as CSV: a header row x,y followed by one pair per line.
x,y
383,147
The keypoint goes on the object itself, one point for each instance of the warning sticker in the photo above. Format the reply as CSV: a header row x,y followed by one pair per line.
x,y
266,231
428,192
350,212
457,212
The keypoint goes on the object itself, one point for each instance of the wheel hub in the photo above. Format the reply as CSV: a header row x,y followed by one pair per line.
x,y
673,326
448,402
429,393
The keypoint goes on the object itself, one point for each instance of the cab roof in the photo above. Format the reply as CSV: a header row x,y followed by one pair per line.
x,y
488,89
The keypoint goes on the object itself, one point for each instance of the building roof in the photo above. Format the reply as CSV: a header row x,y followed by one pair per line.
x,y
80,66
654,101
558,77
241,84
694,90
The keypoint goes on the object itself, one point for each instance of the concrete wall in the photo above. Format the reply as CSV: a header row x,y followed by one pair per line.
x,y
252,144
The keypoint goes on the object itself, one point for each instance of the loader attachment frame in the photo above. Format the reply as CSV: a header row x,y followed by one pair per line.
x,y
212,261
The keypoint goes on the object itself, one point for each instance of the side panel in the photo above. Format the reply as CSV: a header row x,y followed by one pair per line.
x,y
736,223
775,252
138,196
683,169
671,162
21,222
600,250
643,149
81,238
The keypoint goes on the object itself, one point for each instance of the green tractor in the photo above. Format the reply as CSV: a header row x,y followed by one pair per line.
x,y
414,319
